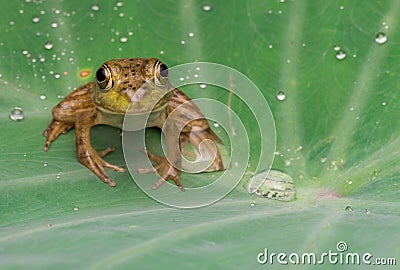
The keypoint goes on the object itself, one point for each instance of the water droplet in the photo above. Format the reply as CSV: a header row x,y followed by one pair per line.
x,y
381,38
95,7
43,96
340,55
57,75
337,48
54,25
161,52
191,34
281,95
367,211
183,42
11,23
120,4
341,7
45,164
76,208
121,14
25,52
206,7
384,103
123,39
58,175
348,208
203,85
374,175
349,182
35,19
252,203
216,124
84,73
17,114
48,45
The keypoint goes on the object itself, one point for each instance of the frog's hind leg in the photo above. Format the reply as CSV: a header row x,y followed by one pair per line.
x,y
54,130
204,143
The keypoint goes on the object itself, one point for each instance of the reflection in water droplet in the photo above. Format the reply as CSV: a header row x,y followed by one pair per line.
x,y
348,208
43,96
341,55
381,38
95,7
48,45
281,95
17,114
76,208
206,7
123,39
337,48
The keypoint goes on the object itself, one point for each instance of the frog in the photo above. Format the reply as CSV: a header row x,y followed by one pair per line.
x,y
134,86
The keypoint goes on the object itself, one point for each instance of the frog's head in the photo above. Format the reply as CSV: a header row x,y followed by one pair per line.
x,y
133,85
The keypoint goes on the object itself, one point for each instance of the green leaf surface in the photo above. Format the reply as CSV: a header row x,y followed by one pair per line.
x,y
337,133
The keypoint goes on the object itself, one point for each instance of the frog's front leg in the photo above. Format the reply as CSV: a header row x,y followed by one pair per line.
x,y
55,129
89,157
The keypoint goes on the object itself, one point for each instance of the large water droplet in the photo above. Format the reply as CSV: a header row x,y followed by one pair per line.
x,y
381,38
281,95
206,7
17,114
95,7
48,45
341,55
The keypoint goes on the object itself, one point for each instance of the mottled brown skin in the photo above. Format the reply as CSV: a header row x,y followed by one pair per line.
x,y
108,97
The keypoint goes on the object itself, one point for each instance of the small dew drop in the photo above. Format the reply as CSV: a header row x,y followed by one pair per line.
x,y
123,39
45,164
161,52
17,114
381,38
54,25
76,208
203,85
349,182
48,45
58,176
206,7
191,34
57,75
120,4
340,55
183,42
252,203
281,96
11,23
367,211
337,48
121,14
35,19
374,175
43,96
216,124
348,208
95,7
25,52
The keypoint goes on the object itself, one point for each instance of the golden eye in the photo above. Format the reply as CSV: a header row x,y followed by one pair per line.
x,y
103,78
161,71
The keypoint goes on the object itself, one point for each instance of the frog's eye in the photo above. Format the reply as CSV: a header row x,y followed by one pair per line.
x,y
161,71
103,78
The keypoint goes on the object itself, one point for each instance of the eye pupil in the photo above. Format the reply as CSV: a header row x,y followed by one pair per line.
x,y
163,70
101,75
